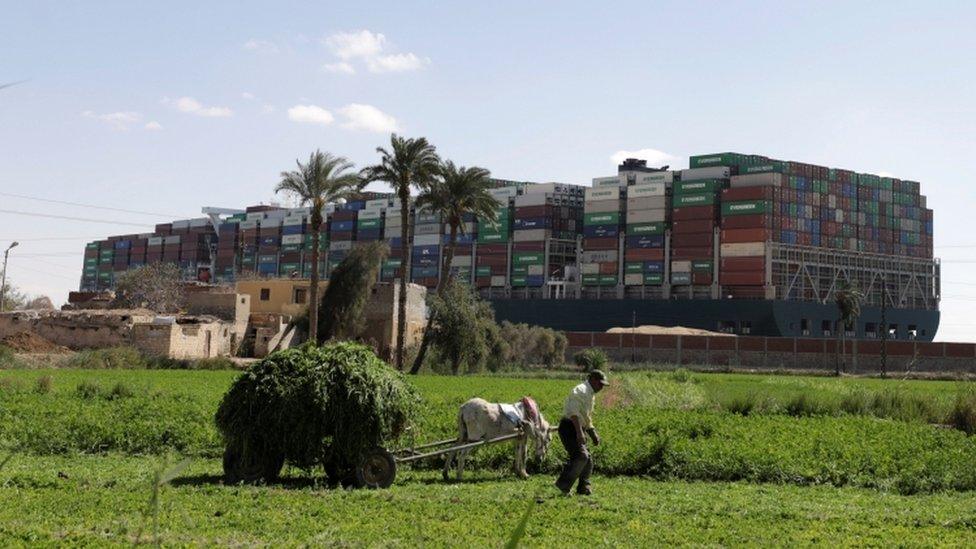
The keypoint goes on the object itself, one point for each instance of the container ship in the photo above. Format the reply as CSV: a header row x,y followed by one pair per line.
x,y
736,243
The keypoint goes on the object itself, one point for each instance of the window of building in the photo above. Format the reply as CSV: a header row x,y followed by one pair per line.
x,y
825,328
912,331
265,294
892,331
870,330
726,326
746,327
301,295
804,327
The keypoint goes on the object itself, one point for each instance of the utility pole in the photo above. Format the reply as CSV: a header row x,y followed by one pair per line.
x,y
884,326
3,279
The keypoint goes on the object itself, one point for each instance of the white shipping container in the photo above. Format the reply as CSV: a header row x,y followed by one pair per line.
x,y
594,194
532,235
341,245
604,206
255,216
610,181
590,268
634,279
269,222
200,222
248,224
292,239
665,177
535,270
681,266
658,215
276,214
369,214
538,199
461,261
377,204
716,172
541,188
299,212
427,228
600,256
642,190
647,203
293,221
174,239
181,224
743,249
758,180
426,240
498,280
330,209
838,216
155,241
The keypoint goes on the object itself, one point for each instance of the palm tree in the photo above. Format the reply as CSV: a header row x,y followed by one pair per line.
x,y
410,162
458,192
848,299
324,179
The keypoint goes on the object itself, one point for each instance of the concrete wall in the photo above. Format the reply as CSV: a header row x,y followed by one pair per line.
x,y
76,329
860,356
184,341
281,294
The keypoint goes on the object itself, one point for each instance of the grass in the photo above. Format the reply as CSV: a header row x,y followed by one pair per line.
x,y
102,501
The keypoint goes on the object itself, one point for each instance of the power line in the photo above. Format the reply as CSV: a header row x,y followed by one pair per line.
x,y
69,218
50,238
82,205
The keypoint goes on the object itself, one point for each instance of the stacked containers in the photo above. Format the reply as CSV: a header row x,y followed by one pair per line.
x,y
293,228
228,244
694,221
89,273
892,217
425,255
648,217
393,234
342,230
249,234
269,244
543,212
603,215
463,261
106,255
491,258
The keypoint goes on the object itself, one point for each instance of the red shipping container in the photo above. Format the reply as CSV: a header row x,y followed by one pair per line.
x,y
609,268
607,243
644,254
344,215
694,212
701,279
492,260
742,278
743,264
757,221
732,236
482,282
691,253
695,240
538,246
749,193
492,249
693,226
523,212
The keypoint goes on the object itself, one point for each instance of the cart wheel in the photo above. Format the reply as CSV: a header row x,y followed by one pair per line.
x,y
377,469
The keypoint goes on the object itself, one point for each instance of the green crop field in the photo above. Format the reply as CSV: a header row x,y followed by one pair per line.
x,y
715,459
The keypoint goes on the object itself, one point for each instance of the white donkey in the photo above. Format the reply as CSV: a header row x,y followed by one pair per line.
x,y
483,420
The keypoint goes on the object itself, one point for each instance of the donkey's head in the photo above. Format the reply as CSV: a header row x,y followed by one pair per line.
x,y
540,434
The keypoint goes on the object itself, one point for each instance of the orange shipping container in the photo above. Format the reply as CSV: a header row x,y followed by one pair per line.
x,y
644,254
734,236
742,279
608,268
743,264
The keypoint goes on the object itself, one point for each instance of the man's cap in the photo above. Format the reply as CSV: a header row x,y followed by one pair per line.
x,y
598,374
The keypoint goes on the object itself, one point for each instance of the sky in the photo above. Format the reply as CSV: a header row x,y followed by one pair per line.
x,y
163,108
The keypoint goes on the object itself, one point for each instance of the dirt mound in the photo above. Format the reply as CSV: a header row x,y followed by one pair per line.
x,y
29,342
651,329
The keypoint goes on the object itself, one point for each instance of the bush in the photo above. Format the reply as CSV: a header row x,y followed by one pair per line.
x,y
109,358
341,312
963,413
10,385
591,359
44,385
121,390
312,405
534,345
88,389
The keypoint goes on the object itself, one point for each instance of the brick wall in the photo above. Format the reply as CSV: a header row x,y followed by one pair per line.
x,y
860,356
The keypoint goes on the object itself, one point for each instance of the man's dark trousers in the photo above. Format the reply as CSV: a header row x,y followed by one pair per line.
x,y
579,465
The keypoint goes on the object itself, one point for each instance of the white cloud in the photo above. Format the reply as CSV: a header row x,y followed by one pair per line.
x,y
400,62
367,118
262,46
120,120
190,105
267,109
247,95
654,157
356,44
310,114
340,67
371,49
153,125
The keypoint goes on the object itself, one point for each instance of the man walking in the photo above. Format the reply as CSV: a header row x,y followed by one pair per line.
x,y
577,418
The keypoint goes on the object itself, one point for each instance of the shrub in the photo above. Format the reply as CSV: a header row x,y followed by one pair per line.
x,y
109,358
591,359
121,390
464,332
804,405
681,375
341,312
215,363
10,385
743,404
88,389
156,286
312,405
44,384
963,413
7,357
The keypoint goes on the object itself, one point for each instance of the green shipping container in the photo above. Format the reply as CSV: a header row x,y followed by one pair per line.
x,y
634,268
391,264
484,270
369,223
700,199
645,228
607,218
518,280
774,166
288,268
716,159
654,278
528,258
701,266
608,280
745,207
92,246
291,248
701,186
488,237
523,270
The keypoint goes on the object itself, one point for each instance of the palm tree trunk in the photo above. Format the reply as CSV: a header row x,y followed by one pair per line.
x,y
404,273
837,351
313,285
445,274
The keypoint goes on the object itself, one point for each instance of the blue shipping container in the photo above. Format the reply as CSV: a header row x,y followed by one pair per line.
x,y
646,241
600,231
533,223
535,280
293,229
368,234
123,244
653,266
342,226
269,241
433,249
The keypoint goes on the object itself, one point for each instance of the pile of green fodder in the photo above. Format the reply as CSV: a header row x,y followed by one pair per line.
x,y
312,406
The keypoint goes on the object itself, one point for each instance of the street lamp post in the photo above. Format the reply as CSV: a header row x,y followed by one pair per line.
x,y
3,280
